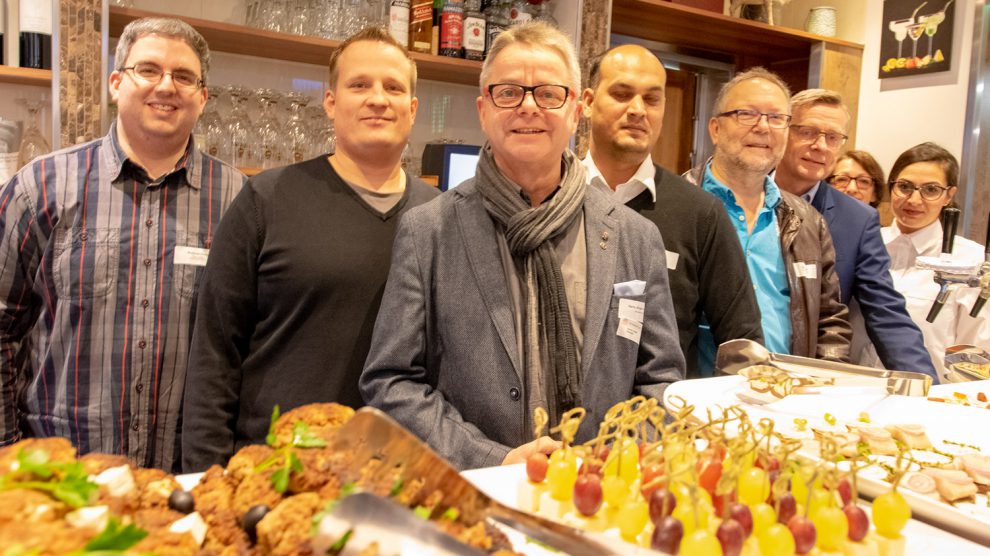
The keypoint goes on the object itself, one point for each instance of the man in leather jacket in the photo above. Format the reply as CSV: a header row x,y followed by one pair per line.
x,y
786,242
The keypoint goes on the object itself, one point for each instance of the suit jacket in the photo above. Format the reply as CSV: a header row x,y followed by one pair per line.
x,y
443,359
863,266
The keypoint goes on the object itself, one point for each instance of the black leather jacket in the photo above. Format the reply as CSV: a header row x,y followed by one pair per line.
x,y
819,321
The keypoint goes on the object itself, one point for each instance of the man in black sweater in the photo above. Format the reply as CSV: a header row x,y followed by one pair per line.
x,y
709,282
294,281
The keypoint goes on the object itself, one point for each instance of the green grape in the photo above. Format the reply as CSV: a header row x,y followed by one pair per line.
x,y
820,498
561,476
624,462
633,517
614,490
566,455
701,543
832,527
763,516
776,540
890,514
799,486
693,517
754,486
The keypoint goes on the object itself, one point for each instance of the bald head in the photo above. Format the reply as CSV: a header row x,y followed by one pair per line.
x,y
625,104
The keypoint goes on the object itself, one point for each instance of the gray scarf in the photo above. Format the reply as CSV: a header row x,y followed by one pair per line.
x,y
527,231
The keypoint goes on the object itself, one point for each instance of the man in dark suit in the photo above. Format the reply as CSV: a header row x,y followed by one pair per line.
x,y
709,282
818,130
521,288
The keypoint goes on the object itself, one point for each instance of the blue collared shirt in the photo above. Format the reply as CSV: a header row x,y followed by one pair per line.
x,y
764,259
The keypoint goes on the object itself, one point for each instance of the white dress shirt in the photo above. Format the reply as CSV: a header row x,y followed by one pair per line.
x,y
953,325
642,179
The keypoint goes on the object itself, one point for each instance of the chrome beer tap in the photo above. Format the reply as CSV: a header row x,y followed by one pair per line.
x,y
951,272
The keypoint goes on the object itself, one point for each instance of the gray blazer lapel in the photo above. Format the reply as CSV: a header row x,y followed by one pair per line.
x,y
478,231
602,248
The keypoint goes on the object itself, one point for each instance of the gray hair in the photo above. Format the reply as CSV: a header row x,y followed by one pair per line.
x,y
538,34
752,73
814,97
166,27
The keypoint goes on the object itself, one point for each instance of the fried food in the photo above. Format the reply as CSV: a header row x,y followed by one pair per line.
x,y
22,505
287,527
323,420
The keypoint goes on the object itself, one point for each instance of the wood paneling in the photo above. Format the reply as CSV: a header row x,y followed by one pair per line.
x,y
25,76
673,149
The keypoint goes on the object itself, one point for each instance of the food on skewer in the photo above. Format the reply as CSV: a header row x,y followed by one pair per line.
x,y
913,436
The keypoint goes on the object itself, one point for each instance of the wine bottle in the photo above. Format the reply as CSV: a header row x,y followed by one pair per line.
x,y
36,34
398,20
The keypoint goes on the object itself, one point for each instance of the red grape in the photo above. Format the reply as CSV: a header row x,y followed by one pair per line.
x,y
786,508
536,467
845,491
588,494
590,466
709,476
859,524
741,514
767,463
667,535
662,504
648,481
804,534
731,536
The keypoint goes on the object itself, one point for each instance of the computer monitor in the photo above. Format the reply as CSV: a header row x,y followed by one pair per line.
x,y
452,163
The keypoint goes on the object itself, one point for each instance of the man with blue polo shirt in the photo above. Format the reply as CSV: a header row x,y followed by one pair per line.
x,y
817,132
786,242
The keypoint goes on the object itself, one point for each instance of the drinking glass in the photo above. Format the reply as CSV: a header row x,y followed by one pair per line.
x,y
328,19
274,15
268,137
320,127
239,130
210,128
297,135
33,143
915,31
900,27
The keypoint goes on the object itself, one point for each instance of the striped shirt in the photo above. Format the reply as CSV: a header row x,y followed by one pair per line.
x,y
99,267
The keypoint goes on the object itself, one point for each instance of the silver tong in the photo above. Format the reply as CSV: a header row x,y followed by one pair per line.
x,y
735,356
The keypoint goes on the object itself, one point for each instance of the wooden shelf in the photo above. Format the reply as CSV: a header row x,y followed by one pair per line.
x,y
25,76
238,39
747,41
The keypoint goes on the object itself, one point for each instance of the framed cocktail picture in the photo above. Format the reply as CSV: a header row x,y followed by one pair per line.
x,y
916,37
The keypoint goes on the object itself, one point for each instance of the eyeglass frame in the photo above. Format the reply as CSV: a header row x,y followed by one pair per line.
x,y
199,84
738,111
831,179
822,133
531,89
895,189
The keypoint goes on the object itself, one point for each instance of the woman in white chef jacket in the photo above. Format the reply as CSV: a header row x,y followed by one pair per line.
x,y
923,181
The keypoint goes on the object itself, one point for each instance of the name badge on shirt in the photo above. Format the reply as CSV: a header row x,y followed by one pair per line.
x,y
631,319
806,270
193,256
672,260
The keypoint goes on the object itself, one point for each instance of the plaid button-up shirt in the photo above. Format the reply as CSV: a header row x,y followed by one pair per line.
x,y
98,283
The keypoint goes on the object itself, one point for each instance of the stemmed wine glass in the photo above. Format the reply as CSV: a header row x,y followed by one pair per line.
x,y
269,132
296,134
900,27
932,21
210,129
238,152
915,31
33,143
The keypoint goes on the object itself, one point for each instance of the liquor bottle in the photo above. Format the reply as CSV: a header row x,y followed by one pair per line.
x,y
495,23
398,20
36,34
474,31
421,25
3,27
544,12
452,28
435,41
519,13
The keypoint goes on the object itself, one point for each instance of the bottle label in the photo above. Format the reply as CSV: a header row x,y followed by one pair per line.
x,y
451,30
517,16
398,20
422,12
474,34
36,16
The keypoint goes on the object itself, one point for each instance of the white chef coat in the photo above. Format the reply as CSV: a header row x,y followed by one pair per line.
x,y
953,325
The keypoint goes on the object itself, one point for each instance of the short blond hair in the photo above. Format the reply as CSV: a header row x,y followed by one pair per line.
x,y
371,34
536,34
814,97
757,72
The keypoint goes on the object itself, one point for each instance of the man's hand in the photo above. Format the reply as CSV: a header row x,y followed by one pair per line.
x,y
543,445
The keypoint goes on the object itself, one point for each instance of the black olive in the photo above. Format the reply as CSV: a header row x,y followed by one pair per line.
x,y
181,501
250,520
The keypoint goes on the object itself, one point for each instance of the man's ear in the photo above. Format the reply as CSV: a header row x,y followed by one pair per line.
x,y
329,103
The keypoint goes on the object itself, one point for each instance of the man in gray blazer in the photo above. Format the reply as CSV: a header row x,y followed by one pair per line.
x,y
522,287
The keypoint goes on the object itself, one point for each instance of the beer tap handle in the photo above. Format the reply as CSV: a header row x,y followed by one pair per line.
x,y
943,295
950,220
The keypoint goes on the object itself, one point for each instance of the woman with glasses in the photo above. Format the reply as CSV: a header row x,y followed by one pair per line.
x,y
923,181
860,176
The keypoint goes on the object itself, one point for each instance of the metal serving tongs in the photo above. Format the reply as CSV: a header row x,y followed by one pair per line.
x,y
735,356
372,435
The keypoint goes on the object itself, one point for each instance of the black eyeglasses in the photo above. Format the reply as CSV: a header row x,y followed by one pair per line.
x,y
843,181
752,117
511,95
150,73
928,191
810,134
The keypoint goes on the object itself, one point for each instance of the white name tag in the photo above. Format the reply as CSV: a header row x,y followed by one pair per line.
x,y
806,270
193,256
672,260
630,309
630,329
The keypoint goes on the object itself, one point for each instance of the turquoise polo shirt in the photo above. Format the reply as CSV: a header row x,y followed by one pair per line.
x,y
763,258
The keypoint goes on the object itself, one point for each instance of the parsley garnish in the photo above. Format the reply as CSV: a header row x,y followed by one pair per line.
x,y
114,540
68,482
285,457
